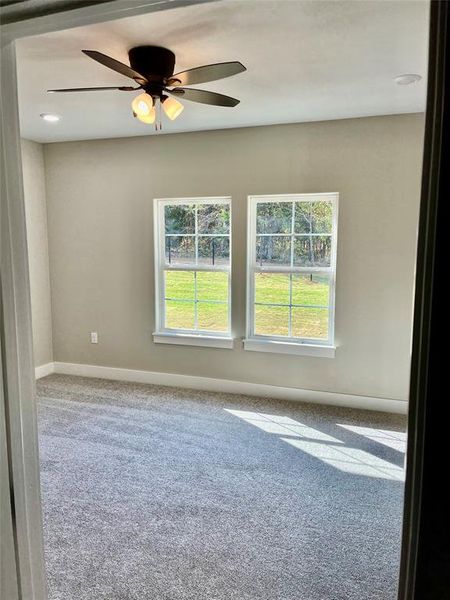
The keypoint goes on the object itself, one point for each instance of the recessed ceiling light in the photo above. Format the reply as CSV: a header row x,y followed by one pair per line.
x,y
407,78
50,118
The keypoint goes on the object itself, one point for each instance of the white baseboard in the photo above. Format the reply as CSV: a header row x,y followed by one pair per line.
x,y
234,387
44,370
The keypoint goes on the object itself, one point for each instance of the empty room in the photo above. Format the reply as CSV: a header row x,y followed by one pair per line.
x,y
222,205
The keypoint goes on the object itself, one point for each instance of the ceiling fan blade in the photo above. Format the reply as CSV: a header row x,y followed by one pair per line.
x,y
124,88
208,73
115,65
204,97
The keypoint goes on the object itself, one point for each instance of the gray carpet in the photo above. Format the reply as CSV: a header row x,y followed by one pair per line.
x,y
164,494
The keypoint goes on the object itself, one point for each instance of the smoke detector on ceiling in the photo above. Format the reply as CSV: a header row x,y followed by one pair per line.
x,y
407,78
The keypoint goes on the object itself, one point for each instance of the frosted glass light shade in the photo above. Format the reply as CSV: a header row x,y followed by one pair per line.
x,y
142,105
172,108
150,118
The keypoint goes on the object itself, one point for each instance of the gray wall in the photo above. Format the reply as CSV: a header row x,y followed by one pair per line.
x,y
36,221
101,244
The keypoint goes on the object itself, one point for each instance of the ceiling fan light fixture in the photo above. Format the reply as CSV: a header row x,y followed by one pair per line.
x,y
172,107
149,119
142,105
152,68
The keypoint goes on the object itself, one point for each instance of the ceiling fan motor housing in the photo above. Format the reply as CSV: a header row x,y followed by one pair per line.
x,y
154,62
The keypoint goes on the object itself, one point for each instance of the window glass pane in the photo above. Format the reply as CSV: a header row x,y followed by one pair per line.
x,y
212,316
273,250
213,218
212,286
310,289
213,250
322,250
293,234
196,234
180,285
179,315
310,323
322,217
179,218
180,250
303,256
302,221
271,320
272,288
274,217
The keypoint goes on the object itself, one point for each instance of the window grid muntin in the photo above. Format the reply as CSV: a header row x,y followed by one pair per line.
x,y
254,267
195,202
293,237
330,309
291,305
195,300
293,234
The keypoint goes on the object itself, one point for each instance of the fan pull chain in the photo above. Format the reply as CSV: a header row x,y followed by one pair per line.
x,y
158,114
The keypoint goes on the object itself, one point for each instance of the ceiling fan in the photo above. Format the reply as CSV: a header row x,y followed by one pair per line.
x,y
151,68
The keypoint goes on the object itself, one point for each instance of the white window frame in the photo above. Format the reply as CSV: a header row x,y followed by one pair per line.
x,y
164,335
282,344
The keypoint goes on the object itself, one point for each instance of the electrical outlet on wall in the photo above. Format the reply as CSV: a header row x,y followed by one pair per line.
x,y
94,337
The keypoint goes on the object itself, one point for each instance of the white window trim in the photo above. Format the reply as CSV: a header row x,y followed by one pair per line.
x,y
182,339
286,345
289,347
163,335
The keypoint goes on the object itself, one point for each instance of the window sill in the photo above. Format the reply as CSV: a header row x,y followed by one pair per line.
x,y
280,347
181,339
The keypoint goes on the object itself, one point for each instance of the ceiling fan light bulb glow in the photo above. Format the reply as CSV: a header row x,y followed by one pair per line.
x,y
172,108
142,105
150,118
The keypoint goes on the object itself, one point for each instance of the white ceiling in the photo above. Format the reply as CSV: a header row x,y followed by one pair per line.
x,y
306,61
